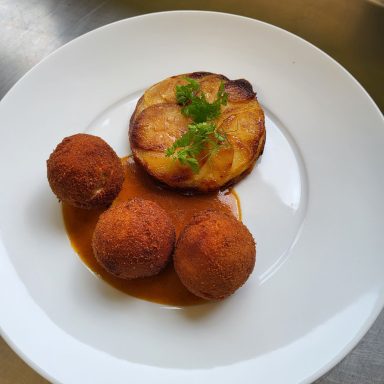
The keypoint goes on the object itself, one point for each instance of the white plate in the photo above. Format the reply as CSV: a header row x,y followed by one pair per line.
x,y
314,204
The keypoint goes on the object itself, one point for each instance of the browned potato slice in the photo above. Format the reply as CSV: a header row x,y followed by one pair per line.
x,y
178,176
241,131
239,90
157,122
159,93
164,168
218,165
158,126
233,108
163,92
210,85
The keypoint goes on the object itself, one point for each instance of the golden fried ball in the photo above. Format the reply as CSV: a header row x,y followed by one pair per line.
x,y
85,172
214,255
134,239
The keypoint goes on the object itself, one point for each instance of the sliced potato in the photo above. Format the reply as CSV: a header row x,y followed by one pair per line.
x,y
209,85
157,122
218,165
163,168
158,126
164,91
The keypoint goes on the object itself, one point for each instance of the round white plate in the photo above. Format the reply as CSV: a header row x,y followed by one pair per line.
x,y
313,202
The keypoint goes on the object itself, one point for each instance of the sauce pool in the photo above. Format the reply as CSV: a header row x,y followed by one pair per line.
x,y
165,288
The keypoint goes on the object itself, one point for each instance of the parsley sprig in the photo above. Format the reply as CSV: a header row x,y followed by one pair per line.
x,y
199,137
195,104
202,135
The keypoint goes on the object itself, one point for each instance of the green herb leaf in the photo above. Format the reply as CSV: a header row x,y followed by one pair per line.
x,y
185,93
201,135
196,105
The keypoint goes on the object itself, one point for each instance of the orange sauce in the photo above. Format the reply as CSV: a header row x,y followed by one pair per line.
x,y
165,287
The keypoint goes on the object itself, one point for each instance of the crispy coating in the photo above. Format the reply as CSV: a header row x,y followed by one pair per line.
x,y
157,122
134,239
85,172
214,255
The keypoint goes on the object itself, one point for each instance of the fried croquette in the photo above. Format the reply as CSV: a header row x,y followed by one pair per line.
x,y
84,171
134,239
214,255
158,122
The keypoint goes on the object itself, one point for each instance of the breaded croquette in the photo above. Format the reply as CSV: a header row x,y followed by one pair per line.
x,y
84,171
134,239
214,255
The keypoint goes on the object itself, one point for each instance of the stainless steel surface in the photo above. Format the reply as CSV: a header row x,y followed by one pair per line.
x,y
351,31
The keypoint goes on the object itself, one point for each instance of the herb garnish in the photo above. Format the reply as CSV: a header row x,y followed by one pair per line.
x,y
199,137
196,106
202,134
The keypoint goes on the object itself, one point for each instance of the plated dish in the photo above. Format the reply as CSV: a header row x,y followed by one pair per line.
x,y
318,283
191,135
